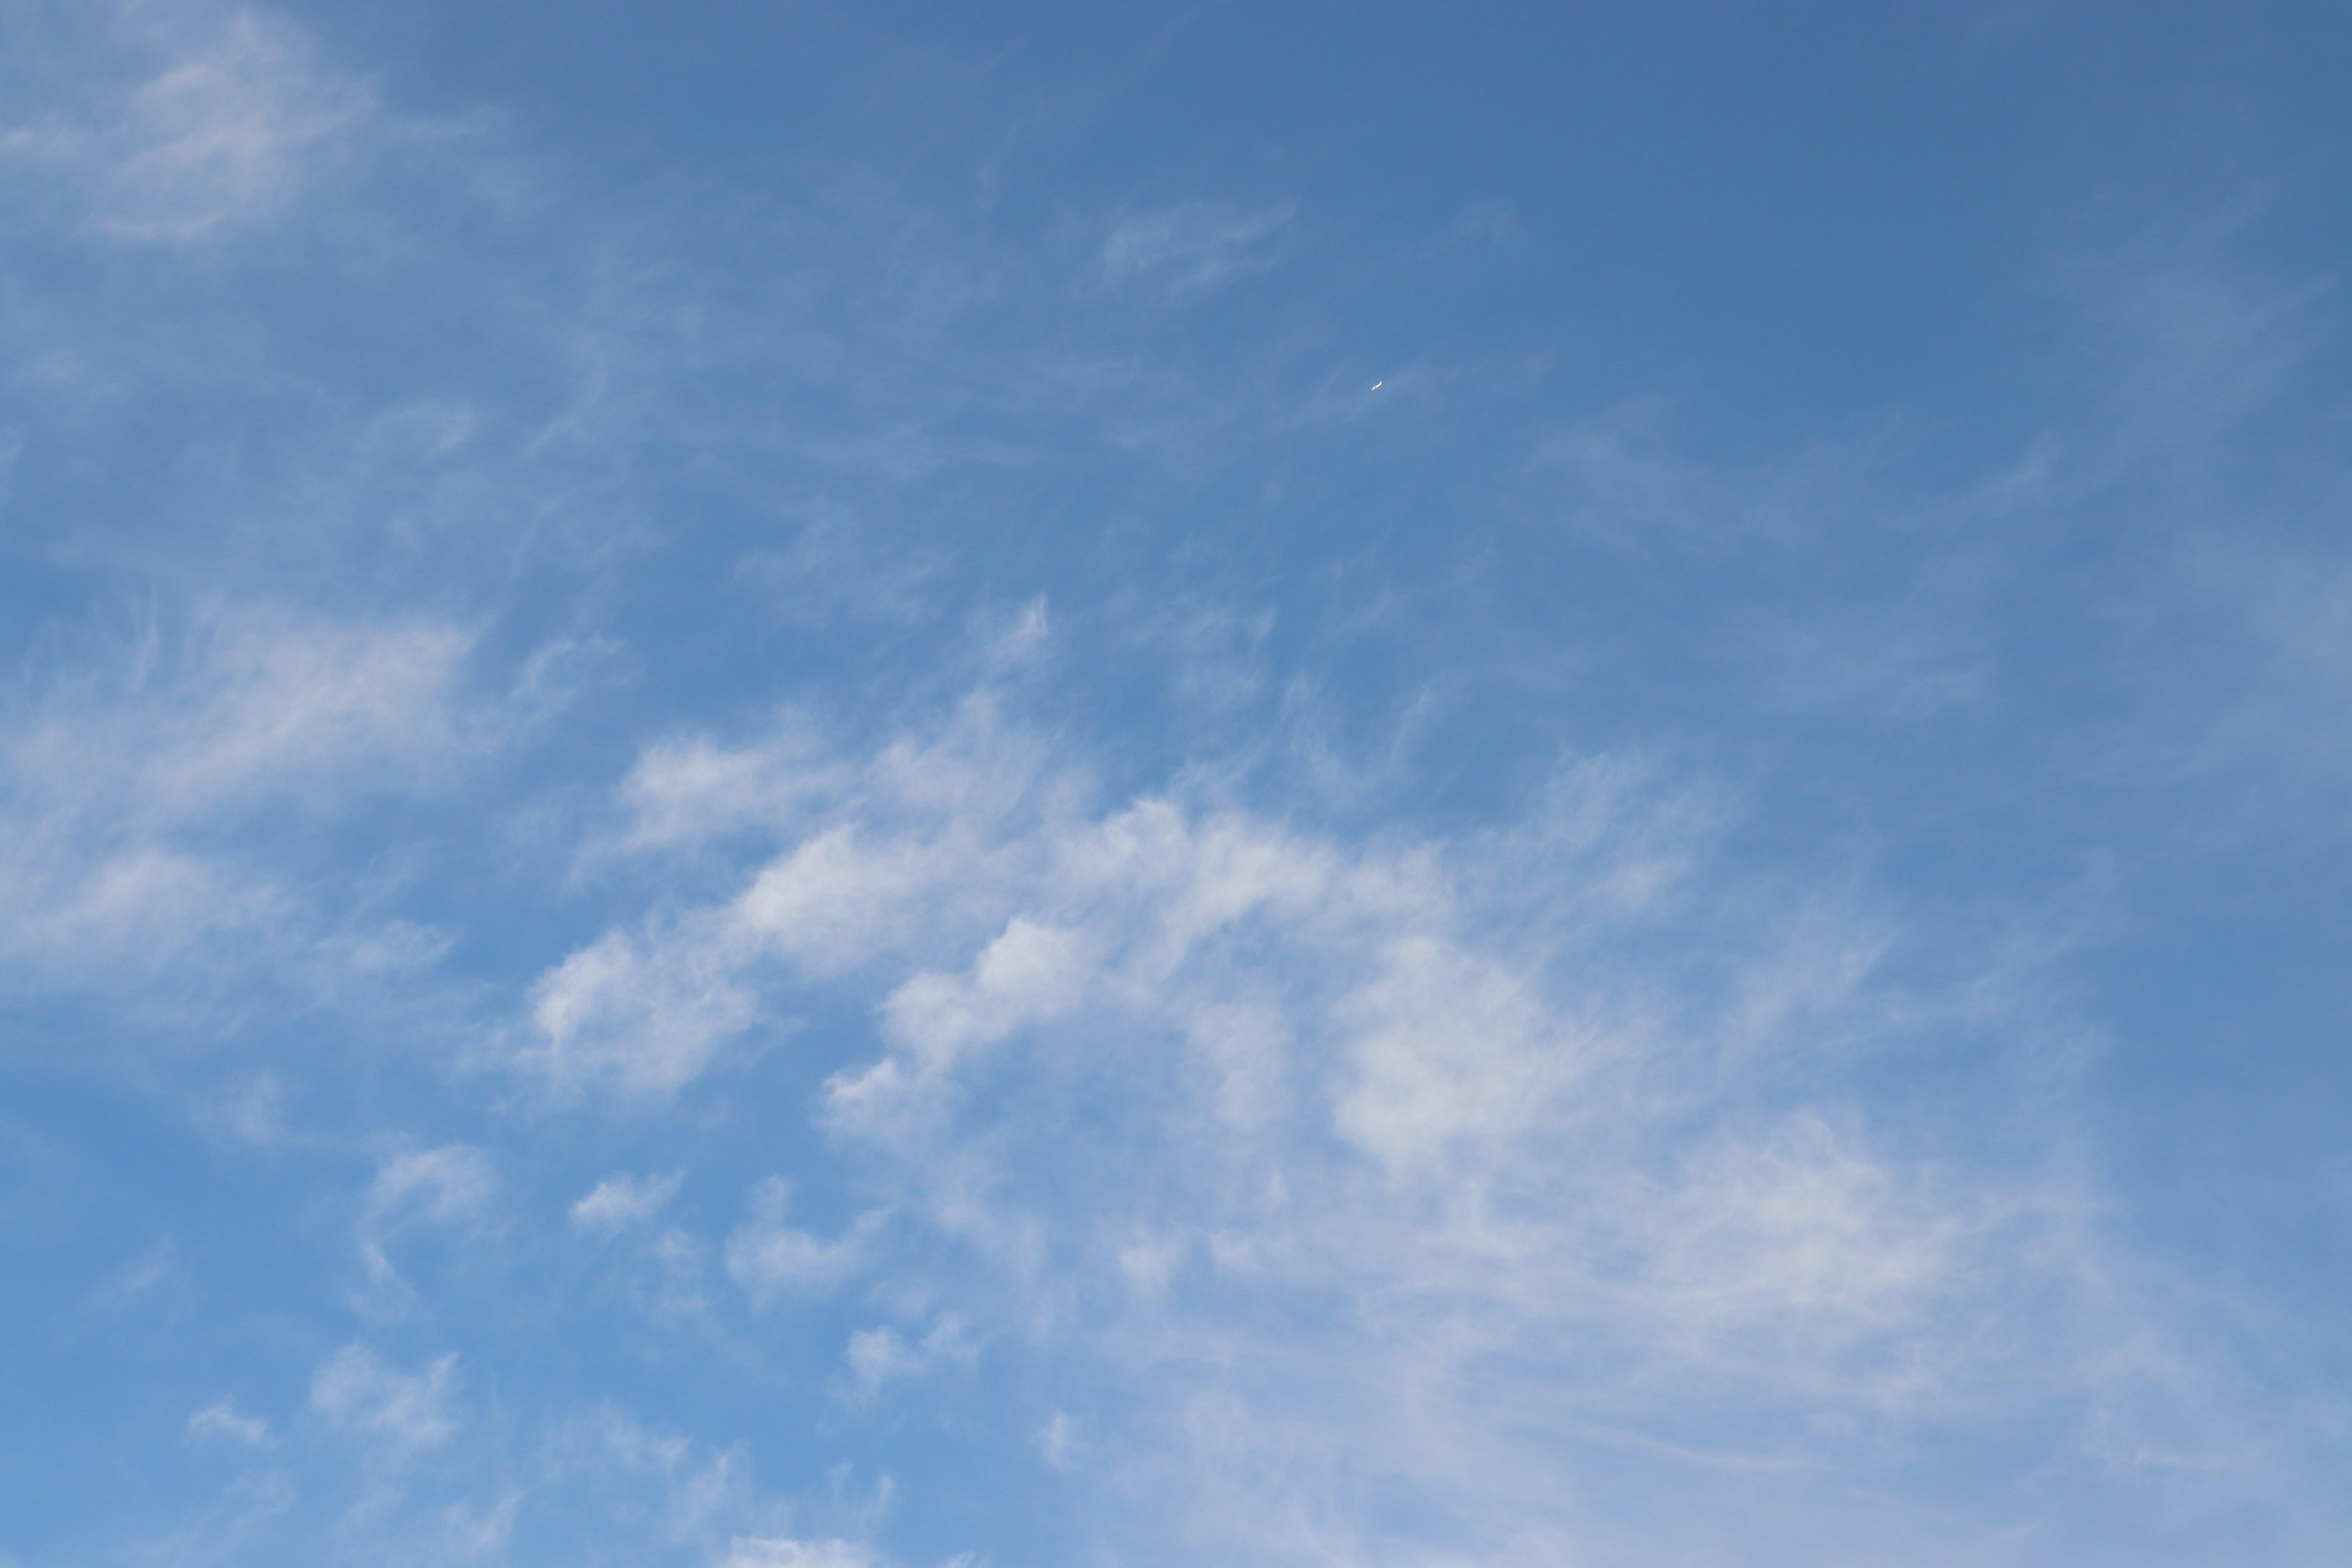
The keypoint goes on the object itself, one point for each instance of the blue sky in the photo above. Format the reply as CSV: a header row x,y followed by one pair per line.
x,y
798,786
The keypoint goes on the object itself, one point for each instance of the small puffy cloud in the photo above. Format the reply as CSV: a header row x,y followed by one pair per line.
x,y
355,1391
771,1260
783,1552
620,1201
881,1356
447,1185
1030,974
646,1018
840,895
682,794
227,1422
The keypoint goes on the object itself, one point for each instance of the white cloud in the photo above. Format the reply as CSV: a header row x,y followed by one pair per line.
x,y
287,708
1349,1162
770,1260
450,1186
1058,1440
646,1016
608,1435
682,792
882,1354
838,896
1804,1223
134,778
141,1275
1452,1052
224,1420
446,1185
1023,638
620,1201
647,1011
356,1391
1029,974
783,1552
1519,1100
224,114
1190,246
606,1458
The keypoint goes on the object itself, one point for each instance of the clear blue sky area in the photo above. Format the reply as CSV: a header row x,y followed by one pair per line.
x,y
1100,787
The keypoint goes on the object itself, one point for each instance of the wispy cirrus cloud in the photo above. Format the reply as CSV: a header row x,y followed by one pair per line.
x,y
1459,1000
137,783
1191,247
208,120
1524,1113
357,1391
